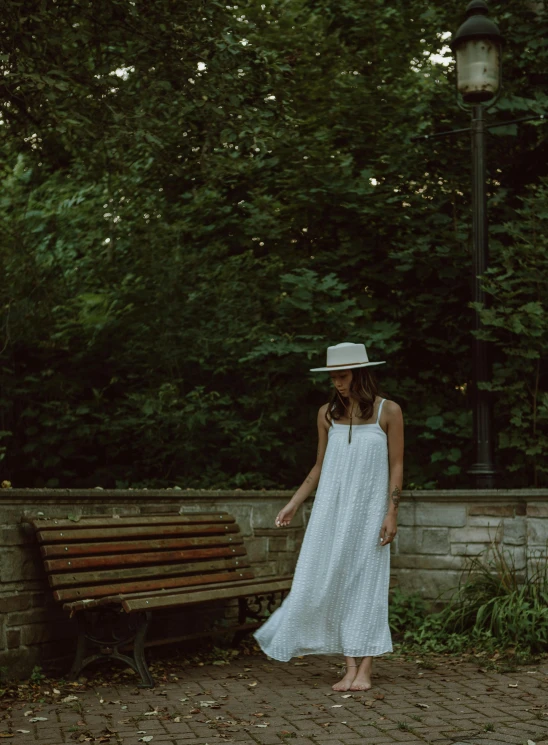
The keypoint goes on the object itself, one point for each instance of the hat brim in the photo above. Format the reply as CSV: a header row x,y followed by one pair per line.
x,y
346,367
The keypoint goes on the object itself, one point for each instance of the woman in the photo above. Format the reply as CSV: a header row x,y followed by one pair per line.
x,y
338,602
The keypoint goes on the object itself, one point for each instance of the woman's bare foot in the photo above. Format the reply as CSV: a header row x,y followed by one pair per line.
x,y
362,679
348,679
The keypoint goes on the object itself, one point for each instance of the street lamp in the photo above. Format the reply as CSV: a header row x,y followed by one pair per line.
x,y
477,47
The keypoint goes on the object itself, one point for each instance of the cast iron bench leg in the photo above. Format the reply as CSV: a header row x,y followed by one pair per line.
x,y
81,648
139,651
108,649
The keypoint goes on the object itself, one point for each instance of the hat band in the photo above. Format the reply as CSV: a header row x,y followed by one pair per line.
x,y
346,364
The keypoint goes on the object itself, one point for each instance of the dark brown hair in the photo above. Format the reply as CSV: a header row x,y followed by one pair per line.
x,y
365,388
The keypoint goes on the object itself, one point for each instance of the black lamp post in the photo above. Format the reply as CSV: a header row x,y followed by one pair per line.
x,y
477,46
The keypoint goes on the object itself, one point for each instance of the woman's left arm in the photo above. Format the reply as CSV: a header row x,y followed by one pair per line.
x,y
394,431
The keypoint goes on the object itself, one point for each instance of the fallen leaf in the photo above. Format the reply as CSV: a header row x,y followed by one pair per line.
x,y
176,719
72,697
530,742
38,719
423,706
336,706
512,685
261,725
347,695
147,738
28,713
301,664
56,691
378,696
252,684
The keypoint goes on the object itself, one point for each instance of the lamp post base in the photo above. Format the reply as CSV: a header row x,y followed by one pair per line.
x,y
483,475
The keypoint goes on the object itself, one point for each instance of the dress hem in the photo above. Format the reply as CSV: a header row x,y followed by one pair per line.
x,y
322,652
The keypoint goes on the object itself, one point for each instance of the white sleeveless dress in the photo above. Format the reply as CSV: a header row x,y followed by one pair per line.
x,y
338,603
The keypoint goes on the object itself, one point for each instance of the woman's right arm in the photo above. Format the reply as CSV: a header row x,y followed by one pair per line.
x,y
286,514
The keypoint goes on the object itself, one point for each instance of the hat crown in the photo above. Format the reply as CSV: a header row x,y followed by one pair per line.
x,y
346,353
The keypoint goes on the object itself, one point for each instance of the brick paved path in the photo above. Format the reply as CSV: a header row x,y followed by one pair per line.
x,y
256,701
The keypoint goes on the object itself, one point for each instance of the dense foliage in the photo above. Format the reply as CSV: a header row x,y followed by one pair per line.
x,y
496,607
197,198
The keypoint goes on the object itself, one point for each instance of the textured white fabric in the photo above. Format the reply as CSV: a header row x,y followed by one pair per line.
x,y
338,603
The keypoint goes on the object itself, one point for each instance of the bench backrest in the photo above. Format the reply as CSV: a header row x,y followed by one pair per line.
x,y
98,557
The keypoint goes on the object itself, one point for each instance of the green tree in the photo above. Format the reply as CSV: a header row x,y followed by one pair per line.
x,y
198,198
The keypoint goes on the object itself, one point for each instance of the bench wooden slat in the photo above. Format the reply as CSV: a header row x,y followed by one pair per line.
x,y
151,557
106,547
92,534
83,579
200,596
122,521
241,582
228,580
157,585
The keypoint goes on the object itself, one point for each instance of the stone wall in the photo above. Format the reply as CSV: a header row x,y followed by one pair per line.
x,y
438,530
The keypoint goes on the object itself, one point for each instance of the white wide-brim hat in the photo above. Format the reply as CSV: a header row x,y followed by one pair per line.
x,y
346,356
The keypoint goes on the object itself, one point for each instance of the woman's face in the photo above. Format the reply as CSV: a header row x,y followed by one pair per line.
x,y
342,380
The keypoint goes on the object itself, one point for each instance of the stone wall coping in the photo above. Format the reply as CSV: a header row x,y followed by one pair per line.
x,y
56,496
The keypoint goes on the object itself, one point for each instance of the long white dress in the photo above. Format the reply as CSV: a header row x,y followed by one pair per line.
x,y
338,603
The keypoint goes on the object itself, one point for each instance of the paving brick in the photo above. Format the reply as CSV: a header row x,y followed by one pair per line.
x,y
298,699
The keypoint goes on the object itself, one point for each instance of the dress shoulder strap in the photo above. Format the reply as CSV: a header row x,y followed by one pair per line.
x,y
380,409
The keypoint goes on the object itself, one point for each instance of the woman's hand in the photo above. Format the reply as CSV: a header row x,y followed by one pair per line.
x,y
285,515
389,529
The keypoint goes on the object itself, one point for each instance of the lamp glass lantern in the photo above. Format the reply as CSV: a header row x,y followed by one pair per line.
x,y
478,49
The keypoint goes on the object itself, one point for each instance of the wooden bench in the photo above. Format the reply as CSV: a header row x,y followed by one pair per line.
x,y
110,573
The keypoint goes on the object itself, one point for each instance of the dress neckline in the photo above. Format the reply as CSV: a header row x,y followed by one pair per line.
x,y
367,424
343,424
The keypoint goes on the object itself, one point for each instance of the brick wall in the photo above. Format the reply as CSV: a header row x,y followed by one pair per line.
x,y
438,530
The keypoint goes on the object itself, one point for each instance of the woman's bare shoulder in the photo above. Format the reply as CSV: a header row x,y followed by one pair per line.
x,y
391,408
322,411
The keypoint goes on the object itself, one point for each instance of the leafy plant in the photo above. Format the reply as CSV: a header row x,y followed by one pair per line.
x,y
405,612
37,675
497,606
516,322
